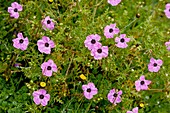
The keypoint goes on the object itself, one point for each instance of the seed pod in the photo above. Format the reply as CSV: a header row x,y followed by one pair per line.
x,y
138,15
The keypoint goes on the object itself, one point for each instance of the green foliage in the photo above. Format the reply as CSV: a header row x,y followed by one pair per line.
x,y
76,19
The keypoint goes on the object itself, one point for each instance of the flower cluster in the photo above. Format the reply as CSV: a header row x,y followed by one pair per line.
x,y
97,50
44,46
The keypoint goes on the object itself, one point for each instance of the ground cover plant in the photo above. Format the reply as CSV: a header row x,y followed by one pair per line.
x,y
84,56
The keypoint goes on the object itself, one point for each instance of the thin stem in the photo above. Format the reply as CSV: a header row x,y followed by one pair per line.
x,y
69,64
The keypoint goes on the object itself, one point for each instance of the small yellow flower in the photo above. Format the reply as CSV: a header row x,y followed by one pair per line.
x,y
50,1
141,105
42,84
83,77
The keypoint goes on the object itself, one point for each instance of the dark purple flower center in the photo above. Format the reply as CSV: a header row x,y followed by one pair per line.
x,y
15,10
21,41
41,96
169,9
49,68
46,44
110,30
155,64
122,40
48,21
142,82
89,90
115,94
93,41
99,50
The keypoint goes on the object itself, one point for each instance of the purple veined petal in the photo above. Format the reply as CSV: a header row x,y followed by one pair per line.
x,y
47,18
14,4
23,47
47,97
36,93
89,37
156,69
15,15
138,88
45,39
142,78
54,68
119,92
116,30
40,43
113,25
147,82
26,41
91,85
17,45
97,57
152,60
127,39
42,91
159,62
52,44
44,102
137,82
10,9
88,95
144,87
44,65
118,99
47,50
117,39
121,45
129,112
97,37
112,91
19,35
84,87
167,6
37,100
114,2
135,110
167,43
48,72
122,36
168,48
50,62
150,67
94,91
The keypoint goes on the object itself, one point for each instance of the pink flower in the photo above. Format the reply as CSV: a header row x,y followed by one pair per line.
x,y
111,30
142,84
154,65
92,41
45,45
134,110
40,97
167,10
121,42
47,23
14,10
89,90
114,2
99,52
114,97
20,42
48,68
167,44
